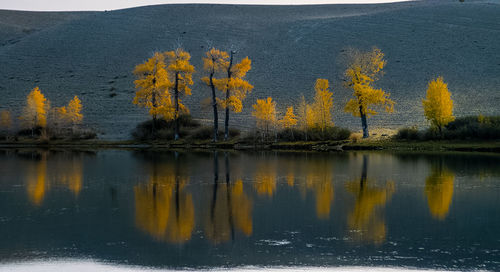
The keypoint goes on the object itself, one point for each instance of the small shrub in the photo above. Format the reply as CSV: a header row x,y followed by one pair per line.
x,y
163,129
408,133
314,134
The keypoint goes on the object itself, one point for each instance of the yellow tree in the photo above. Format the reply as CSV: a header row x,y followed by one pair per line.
x,y
438,105
323,103
214,61
305,116
234,87
5,120
181,72
74,110
290,119
363,70
35,111
152,86
265,112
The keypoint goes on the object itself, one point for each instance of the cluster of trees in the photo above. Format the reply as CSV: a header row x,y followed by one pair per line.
x,y
166,76
38,115
163,78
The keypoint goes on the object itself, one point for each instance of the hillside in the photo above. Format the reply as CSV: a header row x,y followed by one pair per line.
x,y
92,54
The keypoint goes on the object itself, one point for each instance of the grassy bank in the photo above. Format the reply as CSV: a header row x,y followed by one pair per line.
x,y
236,144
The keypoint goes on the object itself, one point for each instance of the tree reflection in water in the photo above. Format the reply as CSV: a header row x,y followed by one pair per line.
x,y
163,208
439,191
365,221
230,207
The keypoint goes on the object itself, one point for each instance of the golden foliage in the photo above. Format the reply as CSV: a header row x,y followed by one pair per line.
x,y
439,191
153,86
234,87
265,112
364,219
438,105
162,207
232,209
290,119
306,117
319,178
74,110
215,60
36,109
323,103
5,119
363,70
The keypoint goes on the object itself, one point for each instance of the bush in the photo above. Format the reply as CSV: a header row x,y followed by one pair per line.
x,y
314,134
464,128
408,133
163,129
207,133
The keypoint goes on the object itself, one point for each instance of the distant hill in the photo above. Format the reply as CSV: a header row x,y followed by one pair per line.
x,y
92,54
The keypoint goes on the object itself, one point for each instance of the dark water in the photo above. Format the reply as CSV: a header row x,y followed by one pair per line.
x,y
227,209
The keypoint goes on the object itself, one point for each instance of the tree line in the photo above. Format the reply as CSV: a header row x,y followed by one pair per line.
x,y
164,77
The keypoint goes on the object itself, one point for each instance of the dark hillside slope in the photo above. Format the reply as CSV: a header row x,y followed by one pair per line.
x,y
92,55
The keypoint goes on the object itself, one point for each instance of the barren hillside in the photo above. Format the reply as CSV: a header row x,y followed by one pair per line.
x,y
92,54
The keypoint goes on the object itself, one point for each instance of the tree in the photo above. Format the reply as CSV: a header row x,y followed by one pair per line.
x,y
234,87
323,103
153,84
363,70
290,119
438,105
265,112
5,120
305,116
35,111
213,62
181,72
74,114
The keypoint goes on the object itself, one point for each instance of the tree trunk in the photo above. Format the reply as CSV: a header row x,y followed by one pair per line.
x,y
214,105
226,121
364,123
176,113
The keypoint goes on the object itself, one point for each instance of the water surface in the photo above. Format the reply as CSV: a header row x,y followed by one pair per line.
x,y
232,209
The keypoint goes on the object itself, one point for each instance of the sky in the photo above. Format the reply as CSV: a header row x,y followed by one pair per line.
x,y
74,5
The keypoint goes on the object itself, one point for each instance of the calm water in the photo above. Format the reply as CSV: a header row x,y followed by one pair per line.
x,y
232,209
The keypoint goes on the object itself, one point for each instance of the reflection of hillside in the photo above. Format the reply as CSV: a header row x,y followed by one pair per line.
x,y
163,208
439,191
48,170
365,220
230,208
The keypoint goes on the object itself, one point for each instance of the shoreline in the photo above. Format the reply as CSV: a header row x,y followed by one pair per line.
x,y
318,146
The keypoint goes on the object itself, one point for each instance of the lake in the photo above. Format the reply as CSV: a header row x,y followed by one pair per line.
x,y
228,209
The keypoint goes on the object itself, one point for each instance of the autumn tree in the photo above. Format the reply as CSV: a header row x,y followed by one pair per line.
x,y
323,103
438,105
35,112
5,120
234,87
363,70
181,73
305,118
265,112
214,61
290,119
72,112
152,86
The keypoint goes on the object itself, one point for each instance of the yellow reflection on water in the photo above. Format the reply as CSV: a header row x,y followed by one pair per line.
x,y
439,192
163,208
265,178
51,170
365,221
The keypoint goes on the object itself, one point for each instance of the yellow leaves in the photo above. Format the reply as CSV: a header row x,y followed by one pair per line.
x,y
265,112
438,105
153,86
289,120
363,70
215,60
323,103
5,119
239,70
35,111
439,191
74,110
